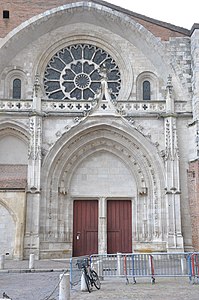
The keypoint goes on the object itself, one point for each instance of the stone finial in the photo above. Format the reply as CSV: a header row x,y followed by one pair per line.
x,y
169,96
36,86
169,83
37,94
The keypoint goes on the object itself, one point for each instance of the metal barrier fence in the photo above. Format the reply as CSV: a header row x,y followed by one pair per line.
x,y
194,266
135,265
75,271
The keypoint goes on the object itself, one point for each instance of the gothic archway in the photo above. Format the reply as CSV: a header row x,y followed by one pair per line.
x,y
145,177
7,230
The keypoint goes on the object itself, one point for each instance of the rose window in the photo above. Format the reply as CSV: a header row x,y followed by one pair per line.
x,y
73,73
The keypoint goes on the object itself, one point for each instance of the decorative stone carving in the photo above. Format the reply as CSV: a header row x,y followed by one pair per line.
x,y
34,152
37,86
72,73
169,96
175,239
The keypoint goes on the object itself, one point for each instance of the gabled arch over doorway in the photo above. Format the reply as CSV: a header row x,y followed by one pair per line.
x,y
129,147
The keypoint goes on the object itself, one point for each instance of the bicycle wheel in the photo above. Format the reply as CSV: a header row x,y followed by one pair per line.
x,y
95,279
88,283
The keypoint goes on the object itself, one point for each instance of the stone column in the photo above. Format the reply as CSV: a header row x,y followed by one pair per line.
x,y
175,239
34,173
102,230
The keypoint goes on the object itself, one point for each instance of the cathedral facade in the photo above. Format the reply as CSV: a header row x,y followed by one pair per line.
x,y
99,132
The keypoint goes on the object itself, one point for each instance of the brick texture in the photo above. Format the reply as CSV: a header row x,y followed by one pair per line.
x,y
21,10
13,176
159,31
193,185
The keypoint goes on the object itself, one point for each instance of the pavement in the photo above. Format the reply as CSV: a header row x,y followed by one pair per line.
x,y
42,283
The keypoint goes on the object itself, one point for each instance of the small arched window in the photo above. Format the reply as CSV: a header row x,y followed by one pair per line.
x,y
16,89
146,90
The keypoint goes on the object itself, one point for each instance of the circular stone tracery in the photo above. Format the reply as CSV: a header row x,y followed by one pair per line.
x,y
73,73
82,81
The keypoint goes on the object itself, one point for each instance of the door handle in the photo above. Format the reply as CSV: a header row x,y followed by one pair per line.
x,y
78,236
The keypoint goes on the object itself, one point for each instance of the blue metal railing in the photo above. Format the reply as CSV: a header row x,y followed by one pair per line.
x,y
136,265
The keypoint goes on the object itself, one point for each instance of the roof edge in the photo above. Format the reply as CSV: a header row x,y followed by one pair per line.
x,y
194,27
145,18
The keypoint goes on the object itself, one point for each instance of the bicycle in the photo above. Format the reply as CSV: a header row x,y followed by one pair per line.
x,y
91,277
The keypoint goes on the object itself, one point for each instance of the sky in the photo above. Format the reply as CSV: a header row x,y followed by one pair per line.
x,y
177,12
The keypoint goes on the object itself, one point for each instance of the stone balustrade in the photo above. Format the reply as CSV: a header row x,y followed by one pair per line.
x,y
16,105
124,107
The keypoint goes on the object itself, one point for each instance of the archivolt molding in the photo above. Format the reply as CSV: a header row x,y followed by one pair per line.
x,y
15,129
103,145
147,169
95,38
7,207
78,7
130,149
99,15
127,120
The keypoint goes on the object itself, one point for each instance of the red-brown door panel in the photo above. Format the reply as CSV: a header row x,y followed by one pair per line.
x,y
119,226
85,227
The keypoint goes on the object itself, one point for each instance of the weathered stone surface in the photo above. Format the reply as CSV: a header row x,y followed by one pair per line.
x,y
102,149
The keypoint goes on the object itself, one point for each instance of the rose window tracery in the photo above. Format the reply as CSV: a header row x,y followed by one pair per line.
x,y
73,73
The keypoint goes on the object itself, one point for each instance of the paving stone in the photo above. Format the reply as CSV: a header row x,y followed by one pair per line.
x,y
44,285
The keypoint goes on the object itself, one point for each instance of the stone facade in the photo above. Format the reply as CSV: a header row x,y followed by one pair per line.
x,y
74,126
193,176
12,217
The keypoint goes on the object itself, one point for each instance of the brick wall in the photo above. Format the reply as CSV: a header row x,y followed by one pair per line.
x,y
13,176
159,31
22,10
193,185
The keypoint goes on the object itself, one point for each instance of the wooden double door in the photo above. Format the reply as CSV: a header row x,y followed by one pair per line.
x,y
85,227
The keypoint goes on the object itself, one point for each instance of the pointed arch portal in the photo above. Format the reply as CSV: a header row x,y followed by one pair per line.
x,y
93,169
102,174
